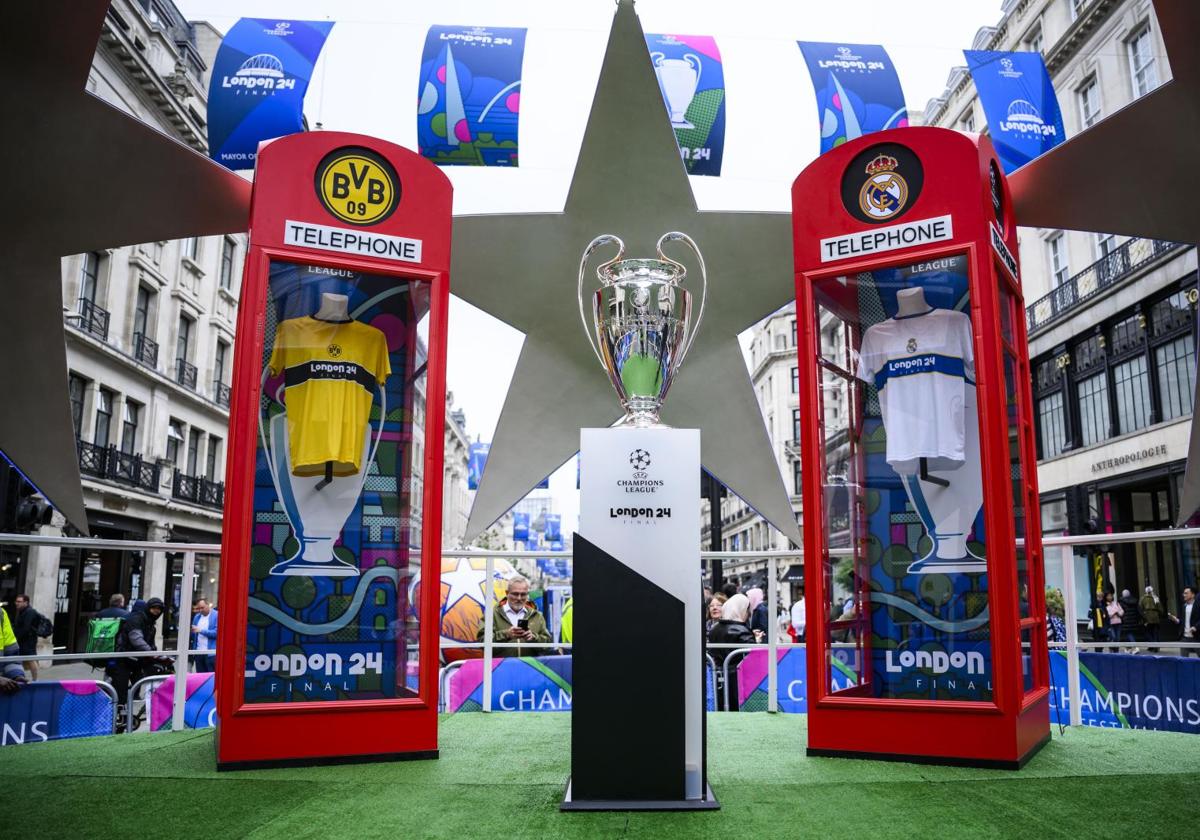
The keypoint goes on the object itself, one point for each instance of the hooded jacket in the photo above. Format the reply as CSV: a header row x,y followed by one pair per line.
x,y
138,631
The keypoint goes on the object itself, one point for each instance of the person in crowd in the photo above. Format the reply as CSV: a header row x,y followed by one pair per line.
x,y
1132,620
1056,628
138,632
517,620
730,588
760,622
798,617
26,629
1188,621
713,614
733,628
1151,609
204,635
12,675
115,608
1100,625
1115,615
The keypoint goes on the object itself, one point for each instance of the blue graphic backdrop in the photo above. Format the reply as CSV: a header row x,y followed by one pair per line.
x,y
258,83
469,95
1019,101
857,90
692,82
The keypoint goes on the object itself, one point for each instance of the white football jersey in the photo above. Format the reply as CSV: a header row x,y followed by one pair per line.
x,y
921,366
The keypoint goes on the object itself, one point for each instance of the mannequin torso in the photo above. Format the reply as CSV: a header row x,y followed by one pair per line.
x,y
333,308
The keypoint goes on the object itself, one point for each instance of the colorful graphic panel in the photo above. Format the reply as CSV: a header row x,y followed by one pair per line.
x,y
199,705
256,91
857,90
469,95
692,81
1019,101
336,546
791,678
49,711
1127,691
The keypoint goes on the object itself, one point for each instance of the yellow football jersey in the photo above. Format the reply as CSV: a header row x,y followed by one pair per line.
x,y
330,370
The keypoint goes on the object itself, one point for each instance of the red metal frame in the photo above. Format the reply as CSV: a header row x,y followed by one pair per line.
x,y
267,733
1009,728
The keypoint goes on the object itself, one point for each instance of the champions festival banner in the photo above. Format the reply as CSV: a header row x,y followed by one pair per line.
x,y
529,684
50,711
791,676
1128,691
692,82
857,90
469,95
258,83
1019,102
199,705
335,554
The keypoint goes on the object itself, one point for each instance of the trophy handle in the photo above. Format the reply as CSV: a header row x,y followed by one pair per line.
x,y
697,66
599,241
676,236
656,58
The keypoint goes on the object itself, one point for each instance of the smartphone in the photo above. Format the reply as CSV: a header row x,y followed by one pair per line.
x,y
523,623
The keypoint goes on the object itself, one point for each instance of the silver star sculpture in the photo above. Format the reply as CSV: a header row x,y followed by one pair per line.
x,y
79,175
1133,173
629,181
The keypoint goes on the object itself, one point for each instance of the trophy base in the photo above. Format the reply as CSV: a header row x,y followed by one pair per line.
x,y
684,124
933,566
304,568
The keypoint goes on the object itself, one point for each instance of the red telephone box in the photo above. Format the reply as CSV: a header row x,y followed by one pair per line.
x,y
329,637
922,541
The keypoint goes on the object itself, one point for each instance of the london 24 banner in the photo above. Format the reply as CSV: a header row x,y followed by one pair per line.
x,y
1019,102
258,83
476,459
692,82
469,95
857,90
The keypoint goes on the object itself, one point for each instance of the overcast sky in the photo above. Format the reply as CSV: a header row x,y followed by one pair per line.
x,y
366,81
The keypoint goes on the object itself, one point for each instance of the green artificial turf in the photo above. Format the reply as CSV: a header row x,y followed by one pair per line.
x,y
502,775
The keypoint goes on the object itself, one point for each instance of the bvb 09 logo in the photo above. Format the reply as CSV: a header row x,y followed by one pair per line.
x,y
357,186
885,193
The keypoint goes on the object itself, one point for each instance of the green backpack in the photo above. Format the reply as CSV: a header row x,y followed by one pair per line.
x,y
102,638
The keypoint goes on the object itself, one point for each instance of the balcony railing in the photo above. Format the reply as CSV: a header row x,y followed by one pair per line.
x,y
185,374
198,490
109,463
93,319
1104,273
222,394
145,350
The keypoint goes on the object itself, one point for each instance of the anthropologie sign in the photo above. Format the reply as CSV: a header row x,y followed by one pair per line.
x,y
1144,454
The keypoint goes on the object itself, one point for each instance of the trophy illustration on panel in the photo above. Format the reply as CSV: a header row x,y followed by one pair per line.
x,y
678,78
320,447
642,326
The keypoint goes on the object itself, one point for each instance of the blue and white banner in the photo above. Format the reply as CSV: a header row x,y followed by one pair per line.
x,y
258,83
857,90
469,95
48,711
553,527
692,82
476,460
1128,691
520,527
1019,102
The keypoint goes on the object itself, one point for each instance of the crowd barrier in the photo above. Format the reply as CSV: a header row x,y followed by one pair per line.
x,y
49,711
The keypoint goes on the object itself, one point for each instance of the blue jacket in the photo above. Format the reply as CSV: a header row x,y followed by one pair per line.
x,y
211,632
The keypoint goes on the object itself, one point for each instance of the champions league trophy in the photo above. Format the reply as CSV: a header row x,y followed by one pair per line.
x,y
678,78
316,508
642,321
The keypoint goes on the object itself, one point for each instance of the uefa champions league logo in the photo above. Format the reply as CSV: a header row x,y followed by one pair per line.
x,y
1006,69
639,459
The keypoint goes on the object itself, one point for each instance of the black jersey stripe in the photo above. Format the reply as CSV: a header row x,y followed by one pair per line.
x,y
322,369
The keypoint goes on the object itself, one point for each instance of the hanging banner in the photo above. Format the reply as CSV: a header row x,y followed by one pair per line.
x,y
857,90
49,711
476,460
199,705
1128,691
469,95
692,82
1019,102
258,82
520,527
553,527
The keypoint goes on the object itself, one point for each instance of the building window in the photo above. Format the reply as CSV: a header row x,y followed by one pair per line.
x,y
1093,409
1106,243
1059,269
191,247
1176,364
227,251
89,275
76,385
1133,395
141,311
174,441
795,380
1033,41
210,459
1089,102
1076,7
183,340
129,426
795,424
104,401
219,363
968,122
1142,63
797,485
1052,422
193,450
793,332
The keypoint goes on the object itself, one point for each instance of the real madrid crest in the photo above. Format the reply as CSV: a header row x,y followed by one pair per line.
x,y
885,192
912,345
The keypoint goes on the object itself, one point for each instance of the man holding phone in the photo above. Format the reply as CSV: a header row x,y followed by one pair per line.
x,y
515,619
